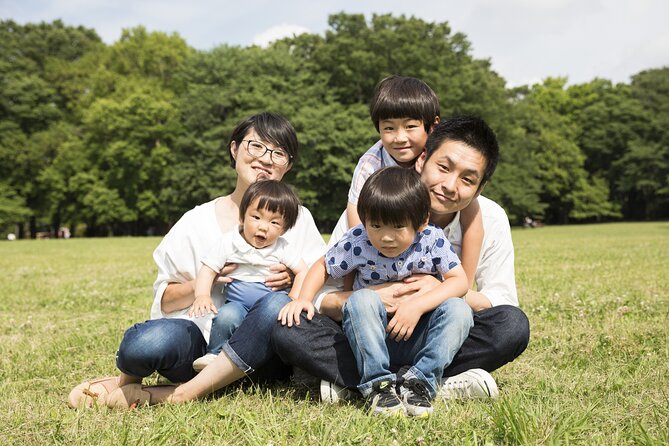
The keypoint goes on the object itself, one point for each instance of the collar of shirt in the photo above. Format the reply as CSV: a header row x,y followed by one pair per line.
x,y
453,228
239,243
388,161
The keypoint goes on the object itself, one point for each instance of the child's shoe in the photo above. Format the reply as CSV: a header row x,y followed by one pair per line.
x,y
204,361
384,400
415,396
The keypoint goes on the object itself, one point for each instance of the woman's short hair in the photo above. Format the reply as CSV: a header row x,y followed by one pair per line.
x,y
274,196
270,127
394,196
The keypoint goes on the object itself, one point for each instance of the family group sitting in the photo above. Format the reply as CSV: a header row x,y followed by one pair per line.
x,y
414,298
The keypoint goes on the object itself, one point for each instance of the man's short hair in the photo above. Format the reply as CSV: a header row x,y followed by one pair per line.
x,y
404,97
274,196
472,131
270,127
394,196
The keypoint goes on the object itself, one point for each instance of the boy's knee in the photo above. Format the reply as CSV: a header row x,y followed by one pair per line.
x,y
362,304
229,315
457,309
273,302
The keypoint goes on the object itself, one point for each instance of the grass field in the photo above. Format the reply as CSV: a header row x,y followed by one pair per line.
x,y
596,370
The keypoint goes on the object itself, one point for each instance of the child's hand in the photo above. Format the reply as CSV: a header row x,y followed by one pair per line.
x,y
291,312
202,306
402,325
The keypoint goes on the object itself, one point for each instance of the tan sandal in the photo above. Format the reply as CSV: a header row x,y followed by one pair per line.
x,y
132,396
94,392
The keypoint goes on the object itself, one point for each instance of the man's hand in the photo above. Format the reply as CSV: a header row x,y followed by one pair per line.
x,y
281,279
416,285
222,276
388,294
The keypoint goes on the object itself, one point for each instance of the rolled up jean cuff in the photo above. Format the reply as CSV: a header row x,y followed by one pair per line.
x,y
236,360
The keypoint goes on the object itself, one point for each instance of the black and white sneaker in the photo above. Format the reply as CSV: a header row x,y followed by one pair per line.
x,y
384,400
415,396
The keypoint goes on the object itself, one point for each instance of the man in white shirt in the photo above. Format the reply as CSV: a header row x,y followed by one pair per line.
x,y
460,156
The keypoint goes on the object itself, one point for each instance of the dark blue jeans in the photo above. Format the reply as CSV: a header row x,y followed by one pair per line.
x,y
166,346
499,335
169,346
250,346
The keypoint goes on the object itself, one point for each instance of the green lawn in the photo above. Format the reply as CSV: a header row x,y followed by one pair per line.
x,y
596,370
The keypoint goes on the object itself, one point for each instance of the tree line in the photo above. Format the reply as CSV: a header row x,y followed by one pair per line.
x,y
124,138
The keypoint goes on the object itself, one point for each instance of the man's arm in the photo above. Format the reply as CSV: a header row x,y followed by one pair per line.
x,y
477,301
495,276
178,296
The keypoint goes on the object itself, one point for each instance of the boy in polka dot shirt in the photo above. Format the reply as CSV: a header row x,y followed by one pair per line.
x,y
420,335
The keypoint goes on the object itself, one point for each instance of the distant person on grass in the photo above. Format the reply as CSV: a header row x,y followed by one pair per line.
x,y
461,155
422,333
268,209
170,342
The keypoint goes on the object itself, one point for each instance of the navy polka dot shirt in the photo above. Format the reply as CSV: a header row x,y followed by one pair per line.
x,y
430,253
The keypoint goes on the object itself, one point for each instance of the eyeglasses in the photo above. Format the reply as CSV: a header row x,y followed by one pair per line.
x,y
257,149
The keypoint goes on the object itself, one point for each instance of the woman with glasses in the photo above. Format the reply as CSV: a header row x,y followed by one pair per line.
x,y
262,147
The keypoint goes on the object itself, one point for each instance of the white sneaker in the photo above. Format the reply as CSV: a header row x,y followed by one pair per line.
x,y
332,393
204,361
473,383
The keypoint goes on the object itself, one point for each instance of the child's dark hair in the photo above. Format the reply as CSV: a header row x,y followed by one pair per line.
x,y
470,130
274,196
394,196
270,127
404,97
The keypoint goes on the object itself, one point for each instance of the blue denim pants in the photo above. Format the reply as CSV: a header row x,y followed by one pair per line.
x,y
436,339
169,346
319,347
250,346
240,297
166,346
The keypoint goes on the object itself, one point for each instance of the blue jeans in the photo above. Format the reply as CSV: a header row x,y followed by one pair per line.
x,y
240,297
436,339
166,346
250,345
169,346
499,335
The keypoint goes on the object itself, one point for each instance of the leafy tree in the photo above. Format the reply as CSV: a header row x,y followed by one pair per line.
x,y
643,181
644,169
13,209
128,142
125,138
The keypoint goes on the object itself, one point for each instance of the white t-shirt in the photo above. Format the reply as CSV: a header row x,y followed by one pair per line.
x,y
179,254
252,263
495,274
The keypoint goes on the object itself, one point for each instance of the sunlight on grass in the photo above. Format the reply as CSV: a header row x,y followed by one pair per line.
x,y
595,371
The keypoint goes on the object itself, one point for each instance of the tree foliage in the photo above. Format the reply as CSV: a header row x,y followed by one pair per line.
x,y
124,138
